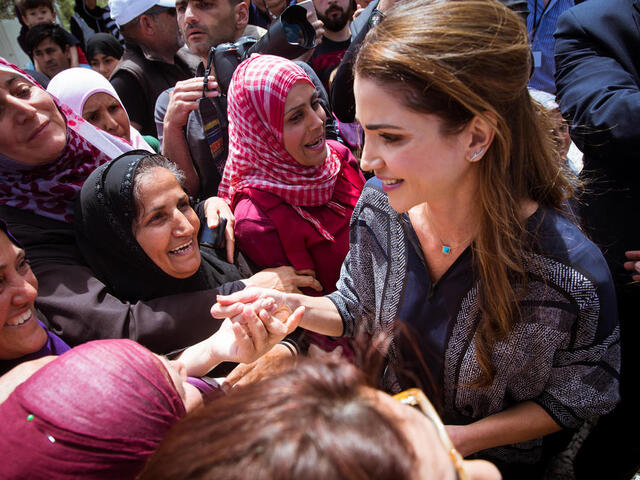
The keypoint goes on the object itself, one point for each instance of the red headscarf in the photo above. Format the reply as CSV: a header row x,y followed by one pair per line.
x,y
50,190
96,412
257,157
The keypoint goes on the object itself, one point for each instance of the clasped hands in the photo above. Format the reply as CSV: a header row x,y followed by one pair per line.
x,y
255,319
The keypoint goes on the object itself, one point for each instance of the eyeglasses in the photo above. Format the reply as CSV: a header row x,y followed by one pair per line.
x,y
416,398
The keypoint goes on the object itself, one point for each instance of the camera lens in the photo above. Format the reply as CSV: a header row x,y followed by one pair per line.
x,y
293,33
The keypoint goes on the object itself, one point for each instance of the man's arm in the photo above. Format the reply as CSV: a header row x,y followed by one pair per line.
x,y
181,101
597,91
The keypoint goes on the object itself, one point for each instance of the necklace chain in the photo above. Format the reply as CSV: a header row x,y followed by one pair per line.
x,y
446,249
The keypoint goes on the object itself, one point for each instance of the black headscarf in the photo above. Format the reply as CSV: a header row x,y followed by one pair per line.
x,y
103,219
104,43
12,239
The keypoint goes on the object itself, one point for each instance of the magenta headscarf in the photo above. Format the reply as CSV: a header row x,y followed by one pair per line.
x,y
96,412
257,157
50,190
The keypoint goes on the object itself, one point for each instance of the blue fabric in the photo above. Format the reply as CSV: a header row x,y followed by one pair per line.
x,y
542,40
429,310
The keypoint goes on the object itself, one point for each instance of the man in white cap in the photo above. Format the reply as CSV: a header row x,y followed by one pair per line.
x,y
152,61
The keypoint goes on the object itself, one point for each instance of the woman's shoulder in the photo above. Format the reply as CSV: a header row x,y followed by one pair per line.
x,y
556,235
45,240
251,202
374,196
342,150
566,248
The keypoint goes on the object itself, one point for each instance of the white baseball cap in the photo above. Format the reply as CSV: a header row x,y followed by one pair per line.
x,y
123,11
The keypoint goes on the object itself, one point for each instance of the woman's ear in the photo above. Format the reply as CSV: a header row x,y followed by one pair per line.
x,y
482,131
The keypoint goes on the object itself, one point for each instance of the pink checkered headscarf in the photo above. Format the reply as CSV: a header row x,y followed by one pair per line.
x,y
50,190
257,157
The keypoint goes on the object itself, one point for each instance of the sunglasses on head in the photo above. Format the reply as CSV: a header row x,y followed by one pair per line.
x,y
416,398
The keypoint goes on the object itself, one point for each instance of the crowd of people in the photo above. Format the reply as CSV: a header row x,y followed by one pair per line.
x,y
320,239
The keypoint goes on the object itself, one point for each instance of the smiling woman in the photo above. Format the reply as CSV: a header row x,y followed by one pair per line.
x,y
41,180
46,150
288,185
284,180
464,240
138,231
22,335
34,131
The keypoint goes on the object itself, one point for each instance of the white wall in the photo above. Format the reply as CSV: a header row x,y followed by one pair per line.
x,y
9,48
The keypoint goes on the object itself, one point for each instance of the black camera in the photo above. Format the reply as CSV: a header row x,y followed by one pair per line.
x,y
290,36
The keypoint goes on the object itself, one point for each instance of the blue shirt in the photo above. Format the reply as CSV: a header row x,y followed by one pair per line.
x,y
541,24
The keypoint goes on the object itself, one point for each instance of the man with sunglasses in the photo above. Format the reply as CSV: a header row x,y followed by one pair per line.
x,y
153,60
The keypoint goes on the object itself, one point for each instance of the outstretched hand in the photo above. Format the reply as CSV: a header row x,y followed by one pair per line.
x,y
243,337
255,331
230,306
634,264
285,279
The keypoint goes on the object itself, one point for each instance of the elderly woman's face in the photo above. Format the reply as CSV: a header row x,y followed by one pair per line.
x,y
166,226
33,130
20,332
303,126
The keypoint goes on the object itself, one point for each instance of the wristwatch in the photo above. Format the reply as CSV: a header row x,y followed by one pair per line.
x,y
376,17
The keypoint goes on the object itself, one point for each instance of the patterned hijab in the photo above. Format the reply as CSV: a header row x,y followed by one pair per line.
x,y
257,157
51,189
74,86
96,412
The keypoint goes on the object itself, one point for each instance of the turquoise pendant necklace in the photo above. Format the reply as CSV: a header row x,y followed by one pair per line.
x,y
445,249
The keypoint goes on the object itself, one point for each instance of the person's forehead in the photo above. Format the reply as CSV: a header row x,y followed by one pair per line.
x,y
9,251
48,43
11,78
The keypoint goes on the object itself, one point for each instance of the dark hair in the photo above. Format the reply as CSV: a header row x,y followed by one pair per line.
x,y
461,59
145,167
24,5
39,33
104,43
315,421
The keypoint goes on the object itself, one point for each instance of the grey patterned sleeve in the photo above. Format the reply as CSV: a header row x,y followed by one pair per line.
x,y
584,376
355,297
346,299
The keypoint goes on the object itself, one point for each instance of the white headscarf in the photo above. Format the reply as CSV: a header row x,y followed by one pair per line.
x,y
74,86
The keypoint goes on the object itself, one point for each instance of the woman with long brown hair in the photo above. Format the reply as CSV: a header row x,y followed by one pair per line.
x,y
462,238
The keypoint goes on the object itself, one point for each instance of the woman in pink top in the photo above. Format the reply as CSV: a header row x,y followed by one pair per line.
x,y
291,190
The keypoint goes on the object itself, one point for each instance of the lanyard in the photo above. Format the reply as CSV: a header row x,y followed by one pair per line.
x,y
536,22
